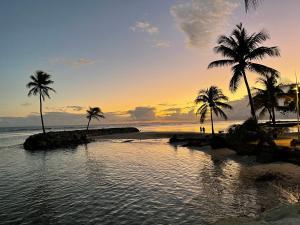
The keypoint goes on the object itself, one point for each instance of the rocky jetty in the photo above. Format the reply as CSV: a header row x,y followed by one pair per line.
x,y
69,139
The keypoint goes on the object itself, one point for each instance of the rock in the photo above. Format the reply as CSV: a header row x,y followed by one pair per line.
x,y
67,139
218,142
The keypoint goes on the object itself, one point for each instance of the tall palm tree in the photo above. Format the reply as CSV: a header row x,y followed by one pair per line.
x,y
39,85
212,100
240,50
267,99
93,113
251,3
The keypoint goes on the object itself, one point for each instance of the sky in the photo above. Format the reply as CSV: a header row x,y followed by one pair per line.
x,y
135,59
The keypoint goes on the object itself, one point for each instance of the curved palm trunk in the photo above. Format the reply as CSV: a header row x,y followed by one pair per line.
x,y
249,96
41,112
87,128
212,122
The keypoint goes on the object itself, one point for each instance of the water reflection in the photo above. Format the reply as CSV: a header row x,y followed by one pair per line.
x,y
142,182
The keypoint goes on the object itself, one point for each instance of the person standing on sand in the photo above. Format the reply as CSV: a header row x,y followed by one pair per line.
x,y
203,130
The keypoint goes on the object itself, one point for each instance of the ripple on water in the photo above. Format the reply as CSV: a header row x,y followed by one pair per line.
x,y
142,182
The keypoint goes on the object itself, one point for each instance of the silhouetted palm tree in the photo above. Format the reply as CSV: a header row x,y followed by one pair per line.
x,y
240,50
251,3
39,85
212,100
290,98
93,113
267,99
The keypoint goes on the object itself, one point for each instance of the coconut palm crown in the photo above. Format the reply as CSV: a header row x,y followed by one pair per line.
x,y
251,3
241,51
266,99
93,113
39,85
212,100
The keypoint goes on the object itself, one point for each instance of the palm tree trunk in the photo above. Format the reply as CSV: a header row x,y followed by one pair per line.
x,y
41,112
87,128
212,122
270,115
249,96
273,117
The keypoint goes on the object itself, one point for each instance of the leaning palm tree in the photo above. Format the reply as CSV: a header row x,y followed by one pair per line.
x,y
240,51
266,99
39,85
212,100
93,113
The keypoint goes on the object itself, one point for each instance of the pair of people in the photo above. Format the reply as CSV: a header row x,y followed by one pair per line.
x,y
202,130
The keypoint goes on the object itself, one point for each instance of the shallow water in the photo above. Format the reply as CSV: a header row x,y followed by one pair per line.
x,y
110,182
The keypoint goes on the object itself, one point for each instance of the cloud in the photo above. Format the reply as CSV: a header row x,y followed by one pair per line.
x,y
76,108
73,62
161,44
201,20
144,26
142,113
26,104
153,32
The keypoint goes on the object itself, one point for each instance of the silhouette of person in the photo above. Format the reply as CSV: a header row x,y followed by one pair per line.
x,y
200,129
203,130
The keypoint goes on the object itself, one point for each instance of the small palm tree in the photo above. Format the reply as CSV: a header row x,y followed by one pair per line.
x,y
93,113
240,50
39,85
212,100
267,99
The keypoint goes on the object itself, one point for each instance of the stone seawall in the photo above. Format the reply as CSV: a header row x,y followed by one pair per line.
x,y
65,139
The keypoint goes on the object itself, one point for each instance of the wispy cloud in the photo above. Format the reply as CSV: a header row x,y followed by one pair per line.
x,y
201,20
144,26
73,62
76,108
153,32
26,104
161,44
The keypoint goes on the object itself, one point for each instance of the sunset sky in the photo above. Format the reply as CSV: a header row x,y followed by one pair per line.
x,y
130,56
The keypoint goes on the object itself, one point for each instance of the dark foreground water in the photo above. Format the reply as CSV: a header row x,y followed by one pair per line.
x,y
108,182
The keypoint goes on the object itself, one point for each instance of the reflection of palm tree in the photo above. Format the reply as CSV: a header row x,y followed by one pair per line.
x,y
212,101
94,113
240,50
39,86
267,99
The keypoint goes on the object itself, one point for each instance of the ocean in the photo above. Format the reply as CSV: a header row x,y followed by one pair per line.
x,y
112,182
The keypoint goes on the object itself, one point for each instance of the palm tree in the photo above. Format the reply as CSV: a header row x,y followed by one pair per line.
x,y
267,99
39,85
93,113
251,3
290,98
212,100
239,51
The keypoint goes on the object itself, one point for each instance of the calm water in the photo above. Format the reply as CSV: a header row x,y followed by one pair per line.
x,y
109,182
